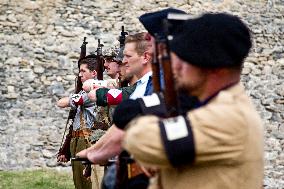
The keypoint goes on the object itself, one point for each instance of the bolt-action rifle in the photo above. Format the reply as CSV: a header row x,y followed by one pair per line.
x,y
163,81
162,72
162,59
100,61
121,46
65,147
122,37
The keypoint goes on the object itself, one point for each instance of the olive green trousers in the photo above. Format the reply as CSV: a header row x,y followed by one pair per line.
x,y
81,182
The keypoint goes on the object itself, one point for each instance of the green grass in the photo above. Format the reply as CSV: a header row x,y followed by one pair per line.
x,y
37,179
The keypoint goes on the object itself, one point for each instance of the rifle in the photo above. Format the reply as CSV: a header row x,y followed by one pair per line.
x,y
84,161
121,46
156,79
100,61
79,84
65,147
162,59
122,37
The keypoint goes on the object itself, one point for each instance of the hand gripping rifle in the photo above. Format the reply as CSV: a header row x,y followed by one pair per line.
x,y
100,61
65,147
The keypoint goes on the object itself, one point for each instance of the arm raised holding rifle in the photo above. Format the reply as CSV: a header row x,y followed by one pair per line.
x,y
84,117
64,153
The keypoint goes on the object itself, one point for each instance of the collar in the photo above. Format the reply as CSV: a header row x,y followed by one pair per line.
x,y
215,94
145,78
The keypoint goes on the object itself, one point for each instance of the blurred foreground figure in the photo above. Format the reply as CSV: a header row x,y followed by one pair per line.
x,y
219,143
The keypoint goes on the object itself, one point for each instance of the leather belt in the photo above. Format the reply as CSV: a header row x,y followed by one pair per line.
x,y
81,133
133,170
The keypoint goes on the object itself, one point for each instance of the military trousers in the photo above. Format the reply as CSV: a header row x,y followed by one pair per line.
x,y
77,145
81,182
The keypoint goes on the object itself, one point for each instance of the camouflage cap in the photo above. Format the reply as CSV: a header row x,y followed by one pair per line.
x,y
119,57
110,52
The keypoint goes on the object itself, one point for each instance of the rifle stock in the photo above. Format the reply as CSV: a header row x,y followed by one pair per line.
x,y
170,93
162,58
156,79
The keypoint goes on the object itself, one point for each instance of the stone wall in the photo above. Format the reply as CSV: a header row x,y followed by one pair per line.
x,y
39,45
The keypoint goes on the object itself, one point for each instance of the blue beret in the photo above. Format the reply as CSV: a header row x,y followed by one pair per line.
x,y
212,41
153,21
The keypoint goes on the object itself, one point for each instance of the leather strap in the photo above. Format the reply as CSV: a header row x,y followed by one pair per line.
x,y
133,170
81,133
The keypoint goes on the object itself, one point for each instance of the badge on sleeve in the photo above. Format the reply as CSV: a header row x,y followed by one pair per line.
x,y
153,104
77,99
114,96
175,127
151,100
178,140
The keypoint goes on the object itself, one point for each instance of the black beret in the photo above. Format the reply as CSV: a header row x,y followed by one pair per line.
x,y
153,21
212,41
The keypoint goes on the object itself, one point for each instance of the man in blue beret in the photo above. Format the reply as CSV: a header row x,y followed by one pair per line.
x,y
219,143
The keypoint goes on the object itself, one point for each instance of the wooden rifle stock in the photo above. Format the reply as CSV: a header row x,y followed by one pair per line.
x,y
156,79
169,92
100,61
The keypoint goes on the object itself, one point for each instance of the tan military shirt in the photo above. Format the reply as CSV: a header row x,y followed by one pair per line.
x,y
228,140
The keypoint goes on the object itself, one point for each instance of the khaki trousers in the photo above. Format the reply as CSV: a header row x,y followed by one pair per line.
x,y
97,176
80,182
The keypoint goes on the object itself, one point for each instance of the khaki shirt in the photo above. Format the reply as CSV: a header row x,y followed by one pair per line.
x,y
228,139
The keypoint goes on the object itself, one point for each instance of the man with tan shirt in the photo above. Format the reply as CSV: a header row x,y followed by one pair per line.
x,y
219,143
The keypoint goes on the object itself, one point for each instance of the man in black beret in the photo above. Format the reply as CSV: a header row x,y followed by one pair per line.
x,y
153,22
219,143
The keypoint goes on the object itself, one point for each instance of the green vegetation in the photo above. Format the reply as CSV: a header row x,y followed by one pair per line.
x,y
36,179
